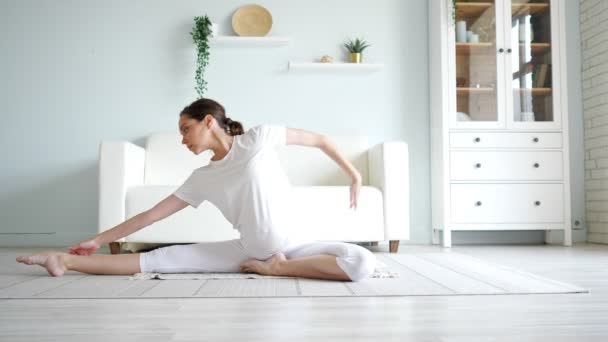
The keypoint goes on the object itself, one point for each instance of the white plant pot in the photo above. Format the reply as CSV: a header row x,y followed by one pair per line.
x,y
215,28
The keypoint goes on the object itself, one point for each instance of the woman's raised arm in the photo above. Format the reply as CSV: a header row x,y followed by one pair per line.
x,y
296,136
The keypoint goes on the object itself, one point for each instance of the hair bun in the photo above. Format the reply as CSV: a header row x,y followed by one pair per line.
x,y
227,121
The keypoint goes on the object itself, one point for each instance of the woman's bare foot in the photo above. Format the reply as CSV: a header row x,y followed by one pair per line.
x,y
54,262
270,266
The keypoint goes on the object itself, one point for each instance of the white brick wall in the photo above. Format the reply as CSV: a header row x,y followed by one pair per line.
x,y
594,45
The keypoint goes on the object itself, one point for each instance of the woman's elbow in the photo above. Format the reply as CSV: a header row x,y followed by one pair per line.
x,y
323,142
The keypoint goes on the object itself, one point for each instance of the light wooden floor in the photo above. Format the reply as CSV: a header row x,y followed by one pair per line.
x,y
563,317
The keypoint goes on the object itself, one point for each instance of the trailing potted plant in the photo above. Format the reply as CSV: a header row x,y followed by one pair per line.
x,y
356,47
201,32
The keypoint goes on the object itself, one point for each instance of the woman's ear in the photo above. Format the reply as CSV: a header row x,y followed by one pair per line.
x,y
208,120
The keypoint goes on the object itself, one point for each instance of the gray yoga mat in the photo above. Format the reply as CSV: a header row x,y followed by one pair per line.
x,y
422,274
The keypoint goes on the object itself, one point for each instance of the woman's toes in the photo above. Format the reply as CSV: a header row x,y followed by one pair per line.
x,y
24,259
32,259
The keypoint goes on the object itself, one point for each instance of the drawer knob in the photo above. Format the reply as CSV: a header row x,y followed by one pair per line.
x,y
477,139
537,203
478,203
536,165
535,139
478,165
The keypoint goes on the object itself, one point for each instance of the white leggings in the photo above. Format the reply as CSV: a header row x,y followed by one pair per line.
x,y
226,256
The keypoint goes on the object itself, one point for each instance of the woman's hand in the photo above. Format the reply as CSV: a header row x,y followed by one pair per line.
x,y
355,187
86,247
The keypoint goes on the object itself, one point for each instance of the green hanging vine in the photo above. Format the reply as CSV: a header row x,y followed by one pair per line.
x,y
200,34
454,11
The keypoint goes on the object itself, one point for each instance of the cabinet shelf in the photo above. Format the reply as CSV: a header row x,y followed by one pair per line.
x,y
519,9
237,41
467,48
471,9
464,91
536,91
538,48
348,67
475,9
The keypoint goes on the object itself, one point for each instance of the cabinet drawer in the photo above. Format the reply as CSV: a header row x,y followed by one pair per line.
x,y
507,203
511,165
506,140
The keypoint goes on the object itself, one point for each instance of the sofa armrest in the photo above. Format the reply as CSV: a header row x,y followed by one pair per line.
x,y
389,171
121,166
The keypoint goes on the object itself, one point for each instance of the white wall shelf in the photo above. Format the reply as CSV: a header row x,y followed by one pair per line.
x,y
237,41
335,67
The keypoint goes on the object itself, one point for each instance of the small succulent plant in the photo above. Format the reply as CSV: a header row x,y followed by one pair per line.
x,y
356,46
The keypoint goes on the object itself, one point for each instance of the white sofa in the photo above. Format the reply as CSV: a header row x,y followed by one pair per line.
x,y
133,179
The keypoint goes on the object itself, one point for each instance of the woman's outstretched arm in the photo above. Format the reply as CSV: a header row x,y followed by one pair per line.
x,y
163,209
296,136
57,263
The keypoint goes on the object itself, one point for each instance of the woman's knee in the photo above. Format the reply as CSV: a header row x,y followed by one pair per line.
x,y
359,264
156,260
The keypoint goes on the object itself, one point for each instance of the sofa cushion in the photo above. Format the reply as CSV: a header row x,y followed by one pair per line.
x,y
306,166
323,213
206,223
168,162
317,213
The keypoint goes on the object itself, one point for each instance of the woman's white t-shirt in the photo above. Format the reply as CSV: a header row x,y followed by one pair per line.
x,y
249,185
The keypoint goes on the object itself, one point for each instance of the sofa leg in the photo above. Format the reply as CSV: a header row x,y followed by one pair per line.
x,y
374,243
393,246
115,247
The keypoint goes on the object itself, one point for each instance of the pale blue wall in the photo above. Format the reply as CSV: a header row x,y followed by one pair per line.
x,y
77,72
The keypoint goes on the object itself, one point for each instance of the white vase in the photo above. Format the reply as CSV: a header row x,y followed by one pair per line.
x,y
463,116
527,116
461,31
517,116
214,30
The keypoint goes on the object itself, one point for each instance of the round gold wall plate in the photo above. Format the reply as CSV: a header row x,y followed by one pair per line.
x,y
252,21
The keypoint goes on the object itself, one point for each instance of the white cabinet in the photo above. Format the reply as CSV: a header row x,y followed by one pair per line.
x,y
499,133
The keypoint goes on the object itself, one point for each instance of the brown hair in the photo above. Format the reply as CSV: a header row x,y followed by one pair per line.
x,y
201,107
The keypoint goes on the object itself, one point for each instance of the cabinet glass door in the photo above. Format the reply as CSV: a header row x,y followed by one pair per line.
x,y
478,71
530,61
